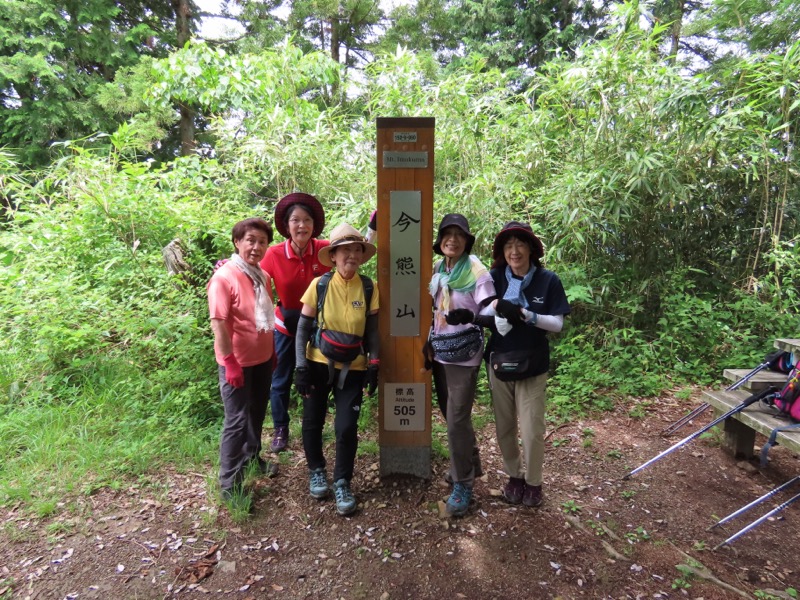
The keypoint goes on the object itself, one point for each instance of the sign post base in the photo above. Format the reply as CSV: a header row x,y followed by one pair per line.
x,y
406,460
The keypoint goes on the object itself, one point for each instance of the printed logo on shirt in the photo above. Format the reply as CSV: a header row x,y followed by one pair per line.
x,y
358,304
538,299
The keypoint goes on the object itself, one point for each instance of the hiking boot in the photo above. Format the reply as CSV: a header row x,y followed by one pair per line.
x,y
458,502
318,483
345,500
231,493
532,496
280,438
267,467
514,490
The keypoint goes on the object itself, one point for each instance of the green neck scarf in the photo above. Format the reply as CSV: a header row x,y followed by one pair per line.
x,y
461,278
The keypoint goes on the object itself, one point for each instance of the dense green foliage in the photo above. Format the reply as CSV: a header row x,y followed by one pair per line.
x,y
56,56
667,203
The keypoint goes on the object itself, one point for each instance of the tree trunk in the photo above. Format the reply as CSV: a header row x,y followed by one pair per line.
x,y
183,15
675,34
336,24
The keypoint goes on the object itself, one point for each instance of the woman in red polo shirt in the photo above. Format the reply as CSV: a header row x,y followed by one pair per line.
x,y
292,265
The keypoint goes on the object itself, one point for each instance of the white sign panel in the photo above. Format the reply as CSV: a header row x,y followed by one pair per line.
x,y
404,406
405,215
405,160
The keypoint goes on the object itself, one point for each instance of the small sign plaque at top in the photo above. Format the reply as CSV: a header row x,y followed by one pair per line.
x,y
405,160
405,136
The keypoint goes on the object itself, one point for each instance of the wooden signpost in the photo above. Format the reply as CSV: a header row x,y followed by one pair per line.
x,y
405,259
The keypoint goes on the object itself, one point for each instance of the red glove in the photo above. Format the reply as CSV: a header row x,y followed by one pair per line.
x,y
233,371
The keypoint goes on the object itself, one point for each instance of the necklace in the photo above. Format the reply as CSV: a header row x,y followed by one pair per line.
x,y
298,250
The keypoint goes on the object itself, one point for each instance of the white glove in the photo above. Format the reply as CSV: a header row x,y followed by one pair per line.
x,y
503,326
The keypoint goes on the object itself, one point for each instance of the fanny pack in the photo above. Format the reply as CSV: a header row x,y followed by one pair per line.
x,y
513,366
457,346
339,346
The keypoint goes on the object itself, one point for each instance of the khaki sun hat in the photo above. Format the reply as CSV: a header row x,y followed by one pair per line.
x,y
342,235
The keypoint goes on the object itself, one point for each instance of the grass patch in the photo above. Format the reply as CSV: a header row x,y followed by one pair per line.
x,y
368,447
91,437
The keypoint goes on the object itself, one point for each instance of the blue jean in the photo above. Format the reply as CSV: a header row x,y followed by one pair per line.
x,y
282,379
245,408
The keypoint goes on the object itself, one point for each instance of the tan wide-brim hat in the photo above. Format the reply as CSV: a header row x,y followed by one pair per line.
x,y
342,235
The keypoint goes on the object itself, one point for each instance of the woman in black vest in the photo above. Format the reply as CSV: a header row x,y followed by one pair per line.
x,y
531,301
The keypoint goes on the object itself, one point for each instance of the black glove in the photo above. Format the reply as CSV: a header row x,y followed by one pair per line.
x,y
371,379
302,381
510,311
459,316
427,356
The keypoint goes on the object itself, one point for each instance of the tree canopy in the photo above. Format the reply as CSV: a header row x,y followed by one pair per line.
x,y
55,57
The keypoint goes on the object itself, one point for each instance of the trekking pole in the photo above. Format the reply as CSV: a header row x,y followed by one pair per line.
x,y
769,494
758,521
750,400
769,361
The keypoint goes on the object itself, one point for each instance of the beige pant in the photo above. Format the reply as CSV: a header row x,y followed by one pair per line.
x,y
524,402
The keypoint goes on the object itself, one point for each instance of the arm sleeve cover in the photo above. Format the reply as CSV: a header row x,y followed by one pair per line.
x,y
485,318
552,323
301,340
371,337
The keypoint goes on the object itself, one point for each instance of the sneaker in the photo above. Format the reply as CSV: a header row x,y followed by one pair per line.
x,y
280,439
458,502
514,490
318,483
532,496
267,467
345,500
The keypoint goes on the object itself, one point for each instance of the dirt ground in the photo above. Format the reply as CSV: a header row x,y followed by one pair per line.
x,y
596,536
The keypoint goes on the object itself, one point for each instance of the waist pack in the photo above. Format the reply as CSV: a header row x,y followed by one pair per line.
x,y
457,346
513,365
339,346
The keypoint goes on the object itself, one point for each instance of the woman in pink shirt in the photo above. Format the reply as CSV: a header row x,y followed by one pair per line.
x,y
243,320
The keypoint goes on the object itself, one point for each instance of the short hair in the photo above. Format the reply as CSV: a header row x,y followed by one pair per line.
x,y
240,229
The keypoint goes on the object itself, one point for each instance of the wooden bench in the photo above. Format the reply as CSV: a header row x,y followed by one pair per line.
x,y
740,429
